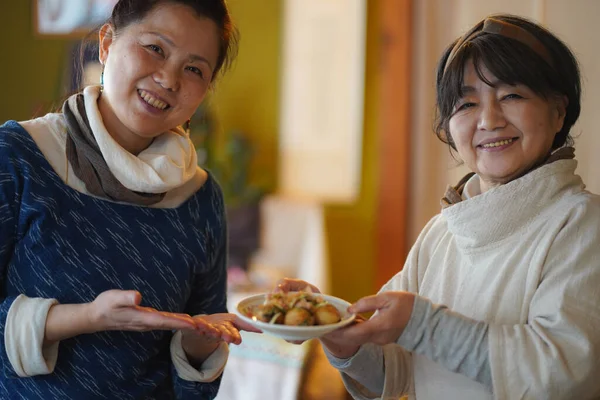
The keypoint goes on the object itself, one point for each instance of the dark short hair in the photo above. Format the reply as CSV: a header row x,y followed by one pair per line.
x,y
127,12
512,62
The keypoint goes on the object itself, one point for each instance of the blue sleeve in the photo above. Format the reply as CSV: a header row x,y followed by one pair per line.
x,y
10,198
209,296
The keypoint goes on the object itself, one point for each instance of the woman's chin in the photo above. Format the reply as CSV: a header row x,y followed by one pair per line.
x,y
147,132
499,177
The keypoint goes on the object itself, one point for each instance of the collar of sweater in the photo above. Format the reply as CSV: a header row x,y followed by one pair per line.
x,y
500,211
169,162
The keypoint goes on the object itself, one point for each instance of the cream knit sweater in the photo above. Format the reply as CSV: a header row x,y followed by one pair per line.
x,y
518,268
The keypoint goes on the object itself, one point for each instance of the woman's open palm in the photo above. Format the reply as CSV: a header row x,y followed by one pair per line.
x,y
227,326
120,310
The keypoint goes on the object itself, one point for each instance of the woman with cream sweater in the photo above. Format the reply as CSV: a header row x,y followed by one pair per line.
x,y
500,295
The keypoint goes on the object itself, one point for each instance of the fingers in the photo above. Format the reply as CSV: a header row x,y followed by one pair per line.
x,y
359,318
369,303
173,324
122,298
244,326
229,333
219,326
374,331
227,326
150,319
294,285
206,327
162,319
183,318
352,335
345,331
134,296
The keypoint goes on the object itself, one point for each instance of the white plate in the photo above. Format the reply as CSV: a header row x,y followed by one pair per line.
x,y
294,332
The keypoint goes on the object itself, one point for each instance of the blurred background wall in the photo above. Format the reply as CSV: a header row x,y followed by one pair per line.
x,y
31,68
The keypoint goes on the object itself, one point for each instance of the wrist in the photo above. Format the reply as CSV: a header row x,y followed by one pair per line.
x,y
405,316
339,351
90,317
67,320
197,348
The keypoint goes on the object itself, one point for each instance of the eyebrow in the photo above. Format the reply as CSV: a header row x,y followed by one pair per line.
x,y
496,84
192,58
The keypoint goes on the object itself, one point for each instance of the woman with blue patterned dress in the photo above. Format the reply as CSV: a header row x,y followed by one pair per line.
x,y
112,239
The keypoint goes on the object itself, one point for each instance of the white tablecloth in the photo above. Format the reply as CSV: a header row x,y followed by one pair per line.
x,y
292,244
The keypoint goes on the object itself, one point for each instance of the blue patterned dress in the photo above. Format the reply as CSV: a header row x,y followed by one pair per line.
x,y
58,243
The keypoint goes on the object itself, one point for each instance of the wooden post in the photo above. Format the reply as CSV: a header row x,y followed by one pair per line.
x,y
394,139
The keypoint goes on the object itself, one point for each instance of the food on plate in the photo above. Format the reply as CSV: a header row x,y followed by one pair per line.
x,y
298,316
326,314
297,309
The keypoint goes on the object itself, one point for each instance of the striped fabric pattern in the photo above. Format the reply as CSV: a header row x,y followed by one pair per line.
x,y
58,243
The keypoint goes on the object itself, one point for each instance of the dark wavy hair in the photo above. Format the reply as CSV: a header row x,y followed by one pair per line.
x,y
127,12
511,62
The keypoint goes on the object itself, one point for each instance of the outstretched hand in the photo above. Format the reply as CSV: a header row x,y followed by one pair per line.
x,y
198,345
120,310
226,327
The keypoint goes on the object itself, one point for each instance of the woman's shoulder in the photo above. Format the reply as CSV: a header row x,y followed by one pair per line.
x,y
11,130
23,134
582,206
435,228
50,121
201,190
568,194
15,142
210,190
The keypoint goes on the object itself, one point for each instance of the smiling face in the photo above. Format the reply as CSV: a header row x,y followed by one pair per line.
x,y
156,72
502,131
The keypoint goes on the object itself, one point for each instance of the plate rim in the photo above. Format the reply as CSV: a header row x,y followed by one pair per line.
x,y
294,329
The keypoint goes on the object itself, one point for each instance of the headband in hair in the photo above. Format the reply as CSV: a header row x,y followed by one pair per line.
x,y
502,28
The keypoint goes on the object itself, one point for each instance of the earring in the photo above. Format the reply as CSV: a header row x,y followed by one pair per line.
x,y
102,79
187,127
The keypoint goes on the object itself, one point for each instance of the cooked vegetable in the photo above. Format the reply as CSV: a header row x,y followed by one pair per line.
x,y
298,316
326,314
266,312
297,309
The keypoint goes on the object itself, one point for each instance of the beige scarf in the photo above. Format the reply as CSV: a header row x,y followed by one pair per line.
x,y
453,195
109,171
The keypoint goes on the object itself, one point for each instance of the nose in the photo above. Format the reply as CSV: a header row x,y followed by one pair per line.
x,y
491,116
167,77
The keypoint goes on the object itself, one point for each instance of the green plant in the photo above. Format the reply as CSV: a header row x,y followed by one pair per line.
x,y
229,163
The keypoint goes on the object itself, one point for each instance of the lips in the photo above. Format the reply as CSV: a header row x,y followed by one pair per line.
x,y
497,142
153,100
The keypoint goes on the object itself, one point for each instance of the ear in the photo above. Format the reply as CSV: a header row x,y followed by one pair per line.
x,y
560,105
106,36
